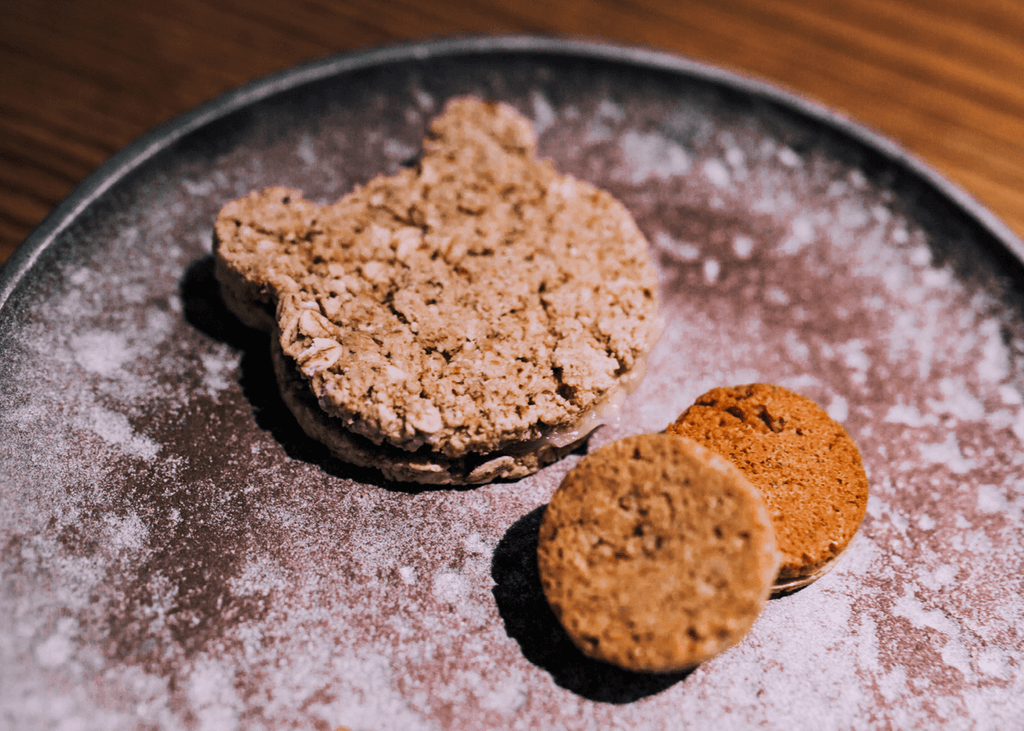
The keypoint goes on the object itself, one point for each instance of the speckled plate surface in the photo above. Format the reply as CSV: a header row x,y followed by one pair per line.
x,y
175,554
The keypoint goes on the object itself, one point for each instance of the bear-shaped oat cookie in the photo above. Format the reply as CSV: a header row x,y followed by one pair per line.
x,y
467,319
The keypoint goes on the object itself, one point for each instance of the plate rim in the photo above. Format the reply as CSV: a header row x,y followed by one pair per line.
x,y
149,144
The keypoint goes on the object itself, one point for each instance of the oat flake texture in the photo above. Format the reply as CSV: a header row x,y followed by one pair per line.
x,y
176,554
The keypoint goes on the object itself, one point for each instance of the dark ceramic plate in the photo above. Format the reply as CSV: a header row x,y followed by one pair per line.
x,y
174,553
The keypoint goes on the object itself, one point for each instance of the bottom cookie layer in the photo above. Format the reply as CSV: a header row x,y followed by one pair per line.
x,y
422,466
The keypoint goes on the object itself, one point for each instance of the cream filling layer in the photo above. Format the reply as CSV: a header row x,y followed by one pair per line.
x,y
605,411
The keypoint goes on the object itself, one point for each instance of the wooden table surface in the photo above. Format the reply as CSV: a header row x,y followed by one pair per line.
x,y
82,79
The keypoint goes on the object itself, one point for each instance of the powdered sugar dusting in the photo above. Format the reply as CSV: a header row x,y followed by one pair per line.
x,y
652,156
174,553
101,352
115,429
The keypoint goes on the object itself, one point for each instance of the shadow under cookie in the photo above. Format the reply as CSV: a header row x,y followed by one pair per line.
x,y
531,623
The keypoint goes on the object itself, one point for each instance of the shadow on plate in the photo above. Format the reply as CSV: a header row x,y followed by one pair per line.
x,y
530,622
205,310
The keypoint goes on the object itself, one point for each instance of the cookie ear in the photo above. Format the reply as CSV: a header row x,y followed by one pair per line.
x,y
251,237
468,123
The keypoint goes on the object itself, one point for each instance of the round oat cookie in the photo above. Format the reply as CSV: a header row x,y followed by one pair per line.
x,y
656,554
803,462
475,304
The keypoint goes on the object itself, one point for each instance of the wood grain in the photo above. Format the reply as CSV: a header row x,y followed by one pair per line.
x,y
82,79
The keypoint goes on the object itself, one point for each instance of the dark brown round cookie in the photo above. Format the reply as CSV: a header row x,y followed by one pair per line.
x,y
656,554
804,463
